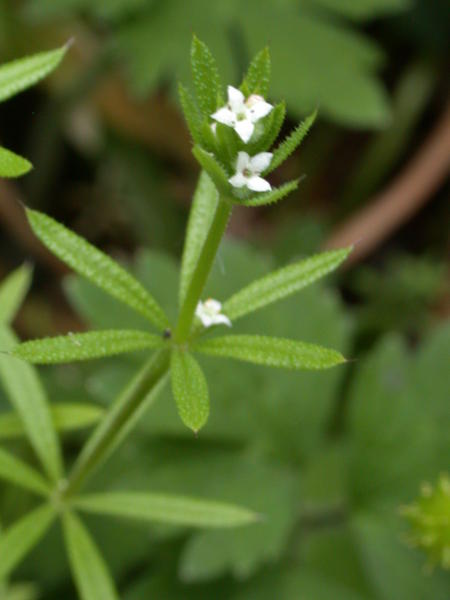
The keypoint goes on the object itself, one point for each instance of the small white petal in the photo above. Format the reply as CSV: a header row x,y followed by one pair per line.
x,y
225,116
222,319
213,306
235,98
259,110
258,184
243,161
244,129
238,180
260,162
214,128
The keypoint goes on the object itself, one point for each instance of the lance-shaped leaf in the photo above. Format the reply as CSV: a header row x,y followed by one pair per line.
x,y
206,77
171,509
288,146
271,351
191,113
20,538
273,196
201,216
283,283
13,165
85,346
28,398
88,567
22,73
12,291
96,266
190,390
258,75
15,471
213,168
273,123
66,417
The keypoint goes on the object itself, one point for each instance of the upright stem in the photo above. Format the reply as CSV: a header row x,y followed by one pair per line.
x,y
204,265
119,420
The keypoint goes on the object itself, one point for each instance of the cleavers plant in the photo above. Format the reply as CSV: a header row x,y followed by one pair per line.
x,y
232,142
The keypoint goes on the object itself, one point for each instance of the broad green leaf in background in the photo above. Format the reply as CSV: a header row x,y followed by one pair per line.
x,y
88,567
291,143
389,458
190,389
395,571
336,65
176,510
96,266
22,73
21,537
12,291
15,471
206,77
85,346
275,195
201,215
13,165
283,283
271,351
362,9
66,417
28,398
257,78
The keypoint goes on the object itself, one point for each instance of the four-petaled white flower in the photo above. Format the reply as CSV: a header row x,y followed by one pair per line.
x,y
209,313
248,170
242,114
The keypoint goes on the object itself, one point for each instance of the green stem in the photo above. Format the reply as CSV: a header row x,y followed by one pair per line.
x,y
120,419
204,265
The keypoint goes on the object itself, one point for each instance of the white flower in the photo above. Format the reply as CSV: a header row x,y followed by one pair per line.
x,y
209,313
241,114
248,170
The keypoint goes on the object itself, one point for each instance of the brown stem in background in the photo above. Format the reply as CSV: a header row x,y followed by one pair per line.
x,y
412,188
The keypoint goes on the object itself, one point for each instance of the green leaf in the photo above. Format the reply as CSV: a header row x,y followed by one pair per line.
x,y
12,291
214,169
206,77
191,113
271,351
96,266
66,417
20,538
161,508
272,127
273,196
291,143
283,283
15,471
13,165
190,390
28,398
88,567
85,346
258,75
200,218
23,73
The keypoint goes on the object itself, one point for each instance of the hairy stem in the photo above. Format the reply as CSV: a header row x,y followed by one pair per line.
x,y
120,419
204,265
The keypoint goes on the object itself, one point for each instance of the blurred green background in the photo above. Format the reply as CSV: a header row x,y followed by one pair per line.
x,y
329,458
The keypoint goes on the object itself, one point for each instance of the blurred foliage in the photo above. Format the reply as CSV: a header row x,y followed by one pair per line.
x,y
330,497
152,37
329,458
